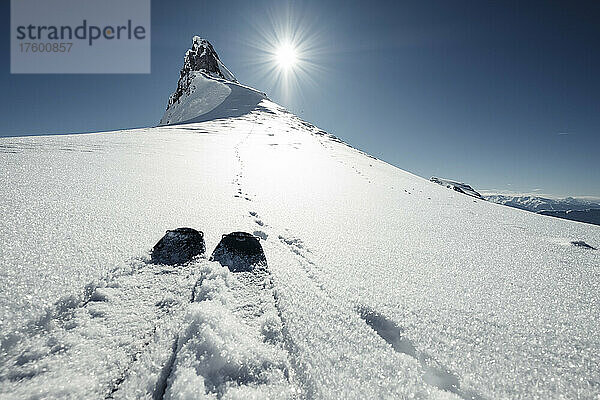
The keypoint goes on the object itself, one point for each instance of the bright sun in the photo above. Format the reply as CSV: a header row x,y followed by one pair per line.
x,y
286,56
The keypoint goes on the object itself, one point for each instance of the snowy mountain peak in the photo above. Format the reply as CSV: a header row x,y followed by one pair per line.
x,y
203,57
207,89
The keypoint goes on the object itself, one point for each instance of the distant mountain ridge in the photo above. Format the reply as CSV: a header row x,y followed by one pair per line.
x,y
570,208
581,210
537,204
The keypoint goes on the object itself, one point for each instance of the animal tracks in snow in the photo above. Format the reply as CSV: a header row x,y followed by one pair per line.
x,y
240,175
296,246
258,222
261,235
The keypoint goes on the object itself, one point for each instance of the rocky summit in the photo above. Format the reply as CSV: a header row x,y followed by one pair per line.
x,y
201,57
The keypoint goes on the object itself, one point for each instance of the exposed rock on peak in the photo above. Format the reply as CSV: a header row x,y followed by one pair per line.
x,y
203,58
207,90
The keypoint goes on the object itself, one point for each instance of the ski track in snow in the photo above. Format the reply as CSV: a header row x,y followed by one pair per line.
x,y
433,372
438,377
220,334
231,342
99,338
357,305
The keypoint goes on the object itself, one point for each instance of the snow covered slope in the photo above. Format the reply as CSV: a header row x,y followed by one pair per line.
x,y
382,284
386,284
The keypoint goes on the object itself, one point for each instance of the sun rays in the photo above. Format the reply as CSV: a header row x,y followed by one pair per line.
x,y
289,50
286,56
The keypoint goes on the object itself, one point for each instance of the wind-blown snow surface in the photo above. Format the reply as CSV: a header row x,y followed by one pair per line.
x,y
210,98
206,94
382,284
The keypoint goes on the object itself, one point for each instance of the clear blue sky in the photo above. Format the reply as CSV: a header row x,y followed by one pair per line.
x,y
502,95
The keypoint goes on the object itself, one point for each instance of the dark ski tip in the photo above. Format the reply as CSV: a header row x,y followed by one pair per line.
x,y
240,252
178,246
